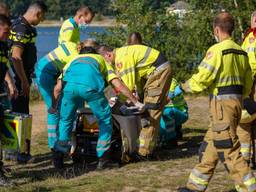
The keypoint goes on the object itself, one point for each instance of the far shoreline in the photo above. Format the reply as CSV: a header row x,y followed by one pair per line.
x,y
101,23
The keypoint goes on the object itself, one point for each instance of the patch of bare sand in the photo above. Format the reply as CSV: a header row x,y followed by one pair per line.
x,y
38,111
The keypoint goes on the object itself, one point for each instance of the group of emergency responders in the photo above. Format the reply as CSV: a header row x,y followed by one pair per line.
x,y
76,72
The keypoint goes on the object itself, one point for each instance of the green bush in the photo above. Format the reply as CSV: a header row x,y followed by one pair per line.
x,y
184,40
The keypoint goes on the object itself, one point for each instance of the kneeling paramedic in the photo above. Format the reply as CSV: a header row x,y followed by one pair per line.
x,y
83,80
148,70
47,71
226,72
175,113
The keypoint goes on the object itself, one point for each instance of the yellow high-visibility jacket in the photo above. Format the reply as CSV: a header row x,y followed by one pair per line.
x,y
134,62
62,54
249,45
69,32
225,64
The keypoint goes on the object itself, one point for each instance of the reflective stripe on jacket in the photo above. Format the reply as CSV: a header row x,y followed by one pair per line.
x,y
69,32
133,62
225,64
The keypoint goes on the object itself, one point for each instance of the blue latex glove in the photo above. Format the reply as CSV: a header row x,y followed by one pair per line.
x,y
177,91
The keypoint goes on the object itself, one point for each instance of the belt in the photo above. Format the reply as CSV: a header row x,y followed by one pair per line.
x,y
232,89
162,66
160,60
159,68
226,96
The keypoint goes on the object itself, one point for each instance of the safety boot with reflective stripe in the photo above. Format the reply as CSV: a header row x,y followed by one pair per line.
x,y
198,180
245,150
250,182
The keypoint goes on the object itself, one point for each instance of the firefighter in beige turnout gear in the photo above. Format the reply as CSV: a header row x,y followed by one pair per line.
x,y
225,71
136,64
244,128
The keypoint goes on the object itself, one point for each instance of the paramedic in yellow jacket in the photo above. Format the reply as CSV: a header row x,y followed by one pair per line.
x,y
70,29
136,64
47,71
225,71
244,128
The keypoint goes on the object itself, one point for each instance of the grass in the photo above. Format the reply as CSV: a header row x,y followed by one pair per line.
x,y
166,174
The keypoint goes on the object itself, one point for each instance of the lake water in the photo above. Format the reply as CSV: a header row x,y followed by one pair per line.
x,y
47,38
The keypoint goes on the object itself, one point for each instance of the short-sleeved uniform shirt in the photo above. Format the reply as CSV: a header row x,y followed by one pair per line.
x,y
23,35
3,63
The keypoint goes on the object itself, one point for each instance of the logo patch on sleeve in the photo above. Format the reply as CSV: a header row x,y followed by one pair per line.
x,y
119,66
19,36
209,55
251,40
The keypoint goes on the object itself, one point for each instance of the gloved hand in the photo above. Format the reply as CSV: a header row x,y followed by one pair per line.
x,y
177,91
140,106
112,101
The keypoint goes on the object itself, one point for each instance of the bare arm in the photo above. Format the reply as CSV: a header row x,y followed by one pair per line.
x,y
19,69
56,94
11,85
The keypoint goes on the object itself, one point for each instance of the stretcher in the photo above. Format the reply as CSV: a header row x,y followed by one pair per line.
x,y
85,135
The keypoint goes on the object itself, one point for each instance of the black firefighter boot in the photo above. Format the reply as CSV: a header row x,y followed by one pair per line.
x,y
184,189
58,159
4,181
105,162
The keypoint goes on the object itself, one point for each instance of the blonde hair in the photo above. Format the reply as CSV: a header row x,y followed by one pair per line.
x,y
89,43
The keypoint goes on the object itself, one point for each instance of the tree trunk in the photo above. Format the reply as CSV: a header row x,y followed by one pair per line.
x,y
239,20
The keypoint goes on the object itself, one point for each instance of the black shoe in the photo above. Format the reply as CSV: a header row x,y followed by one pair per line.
x,y
4,181
179,134
137,157
23,158
172,144
58,159
184,189
106,163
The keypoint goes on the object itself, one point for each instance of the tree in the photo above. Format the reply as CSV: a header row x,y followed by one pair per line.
x,y
184,40
59,8
17,7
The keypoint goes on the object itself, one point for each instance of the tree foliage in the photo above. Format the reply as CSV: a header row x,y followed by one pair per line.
x,y
183,40
60,8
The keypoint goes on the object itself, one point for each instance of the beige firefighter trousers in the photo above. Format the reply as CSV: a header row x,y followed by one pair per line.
x,y
244,135
155,93
221,143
